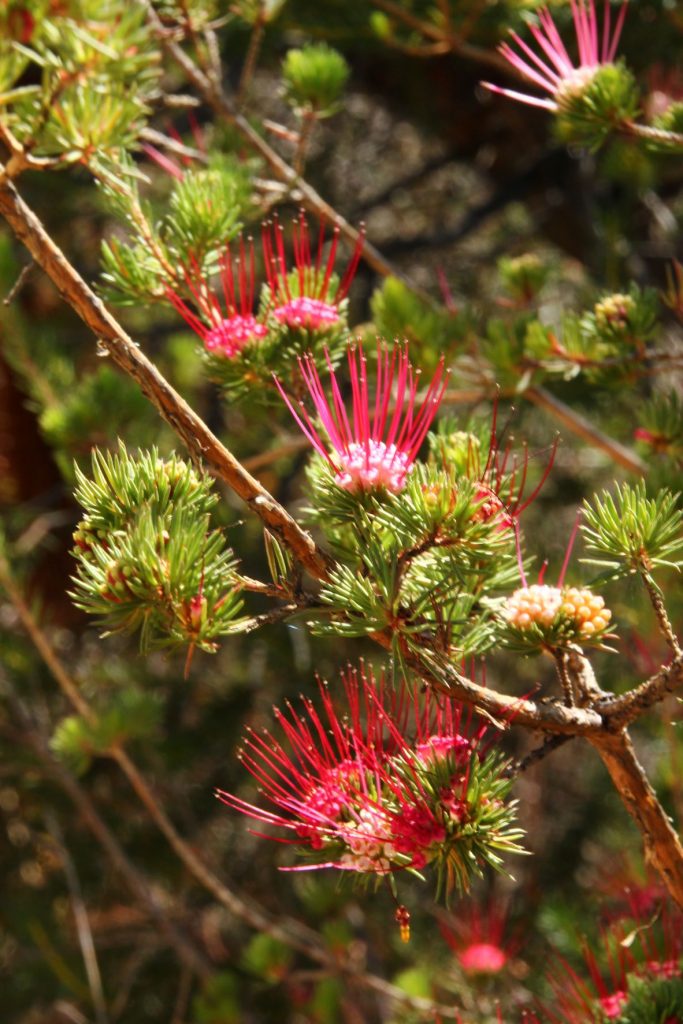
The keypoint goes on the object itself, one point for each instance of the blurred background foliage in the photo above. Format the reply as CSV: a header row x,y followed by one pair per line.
x,y
513,240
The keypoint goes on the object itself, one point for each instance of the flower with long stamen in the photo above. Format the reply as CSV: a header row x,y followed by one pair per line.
x,y
476,934
501,482
549,65
308,296
389,781
227,327
376,445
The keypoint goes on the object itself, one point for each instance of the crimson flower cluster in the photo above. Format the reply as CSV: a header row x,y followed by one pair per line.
x,y
390,782
308,297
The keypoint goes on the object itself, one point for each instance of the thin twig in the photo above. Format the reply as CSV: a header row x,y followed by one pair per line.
x,y
253,51
18,284
663,620
582,427
85,937
548,746
456,44
621,710
140,886
650,133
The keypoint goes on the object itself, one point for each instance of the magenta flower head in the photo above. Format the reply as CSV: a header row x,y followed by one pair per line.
x,y
310,294
376,445
476,934
224,328
549,65
387,781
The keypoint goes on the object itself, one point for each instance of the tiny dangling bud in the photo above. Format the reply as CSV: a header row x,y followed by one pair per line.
x,y
402,917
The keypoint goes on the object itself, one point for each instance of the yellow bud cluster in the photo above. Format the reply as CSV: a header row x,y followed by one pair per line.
x,y
541,605
587,609
536,604
614,311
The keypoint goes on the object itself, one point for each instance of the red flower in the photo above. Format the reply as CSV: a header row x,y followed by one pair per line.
x,y
378,445
349,783
225,329
501,482
307,297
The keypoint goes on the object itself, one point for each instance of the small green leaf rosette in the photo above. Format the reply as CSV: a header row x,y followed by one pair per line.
x,y
148,559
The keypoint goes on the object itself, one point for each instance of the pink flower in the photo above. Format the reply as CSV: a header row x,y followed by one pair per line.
x,y
307,297
550,67
225,329
377,446
476,936
350,783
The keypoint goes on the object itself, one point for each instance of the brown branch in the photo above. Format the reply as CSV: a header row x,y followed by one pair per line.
x,y
582,427
200,441
662,846
456,44
622,710
501,708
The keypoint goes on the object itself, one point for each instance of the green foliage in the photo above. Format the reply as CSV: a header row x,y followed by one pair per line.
x,y
653,1000
280,561
588,114
661,425
314,78
219,1001
670,121
203,214
636,533
267,957
127,715
147,556
486,829
204,211
99,69
97,399
523,276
